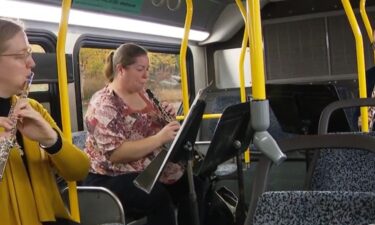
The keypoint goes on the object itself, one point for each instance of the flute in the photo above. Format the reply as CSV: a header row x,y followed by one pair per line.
x,y
6,144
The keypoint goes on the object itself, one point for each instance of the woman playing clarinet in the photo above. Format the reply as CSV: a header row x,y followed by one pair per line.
x,y
126,130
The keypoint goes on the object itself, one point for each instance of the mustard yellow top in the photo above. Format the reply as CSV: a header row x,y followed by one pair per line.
x,y
35,198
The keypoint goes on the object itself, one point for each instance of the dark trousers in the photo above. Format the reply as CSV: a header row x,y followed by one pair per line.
x,y
61,222
159,206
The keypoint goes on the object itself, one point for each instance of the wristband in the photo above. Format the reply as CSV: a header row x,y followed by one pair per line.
x,y
55,147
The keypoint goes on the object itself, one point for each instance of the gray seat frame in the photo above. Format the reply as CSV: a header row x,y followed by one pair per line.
x,y
98,205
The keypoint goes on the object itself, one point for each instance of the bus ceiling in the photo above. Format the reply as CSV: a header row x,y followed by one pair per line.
x,y
168,12
289,8
221,19
213,14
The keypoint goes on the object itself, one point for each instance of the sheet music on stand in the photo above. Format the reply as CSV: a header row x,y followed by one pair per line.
x,y
176,153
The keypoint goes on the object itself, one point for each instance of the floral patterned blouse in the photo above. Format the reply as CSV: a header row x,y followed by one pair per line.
x,y
110,122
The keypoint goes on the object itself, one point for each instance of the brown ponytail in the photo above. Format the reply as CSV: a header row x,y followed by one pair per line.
x,y
108,68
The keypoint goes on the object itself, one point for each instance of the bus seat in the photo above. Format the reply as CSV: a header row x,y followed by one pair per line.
x,y
351,113
303,142
343,170
327,112
98,193
98,205
315,207
79,139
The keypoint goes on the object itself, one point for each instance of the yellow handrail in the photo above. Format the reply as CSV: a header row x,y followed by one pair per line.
x,y
64,98
183,49
205,116
256,50
211,116
360,60
367,23
183,70
245,42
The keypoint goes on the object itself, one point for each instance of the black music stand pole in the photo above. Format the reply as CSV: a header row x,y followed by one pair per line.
x,y
231,138
188,147
240,211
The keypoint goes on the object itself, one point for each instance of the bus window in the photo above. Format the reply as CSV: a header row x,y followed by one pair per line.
x,y
38,87
37,48
164,75
226,68
164,78
91,65
38,90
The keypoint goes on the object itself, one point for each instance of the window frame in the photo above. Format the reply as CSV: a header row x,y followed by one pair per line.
x,y
48,41
96,41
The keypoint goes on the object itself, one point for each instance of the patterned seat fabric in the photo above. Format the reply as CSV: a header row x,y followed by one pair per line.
x,y
315,207
344,170
79,139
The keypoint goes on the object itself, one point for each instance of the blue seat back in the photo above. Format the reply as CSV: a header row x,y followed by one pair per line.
x,y
344,170
315,207
79,139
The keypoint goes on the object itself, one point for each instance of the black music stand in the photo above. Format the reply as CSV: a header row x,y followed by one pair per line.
x,y
181,150
297,107
232,137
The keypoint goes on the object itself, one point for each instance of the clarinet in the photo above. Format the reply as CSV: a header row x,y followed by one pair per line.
x,y
6,144
165,115
147,179
198,157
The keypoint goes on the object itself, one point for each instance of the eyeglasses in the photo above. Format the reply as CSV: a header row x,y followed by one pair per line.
x,y
22,56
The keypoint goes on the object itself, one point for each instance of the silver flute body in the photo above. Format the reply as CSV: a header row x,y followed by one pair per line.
x,y
6,144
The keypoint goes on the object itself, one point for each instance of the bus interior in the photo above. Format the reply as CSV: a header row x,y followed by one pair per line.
x,y
310,60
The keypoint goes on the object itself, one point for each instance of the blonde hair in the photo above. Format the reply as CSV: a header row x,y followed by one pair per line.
x,y
8,29
124,55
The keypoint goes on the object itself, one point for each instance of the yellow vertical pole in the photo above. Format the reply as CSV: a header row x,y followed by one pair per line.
x,y
183,50
64,98
256,50
259,104
245,42
360,60
366,21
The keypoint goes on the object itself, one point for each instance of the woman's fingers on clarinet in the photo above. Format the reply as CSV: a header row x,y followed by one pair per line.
x,y
4,135
168,108
164,104
174,125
